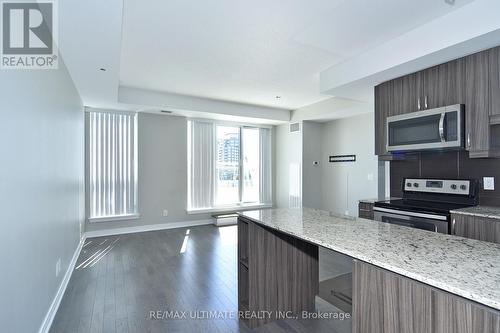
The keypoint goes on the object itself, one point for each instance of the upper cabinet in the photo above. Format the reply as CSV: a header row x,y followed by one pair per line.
x,y
473,81
477,80
383,109
444,84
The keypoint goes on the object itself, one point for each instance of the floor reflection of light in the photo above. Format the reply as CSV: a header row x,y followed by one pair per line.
x,y
185,242
228,235
98,255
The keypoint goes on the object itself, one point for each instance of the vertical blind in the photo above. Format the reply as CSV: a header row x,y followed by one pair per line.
x,y
202,167
111,163
265,166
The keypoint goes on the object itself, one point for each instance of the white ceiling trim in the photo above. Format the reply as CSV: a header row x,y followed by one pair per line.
x,y
191,106
330,109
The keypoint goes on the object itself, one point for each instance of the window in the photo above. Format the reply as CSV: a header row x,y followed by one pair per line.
x,y
228,165
227,189
111,165
251,165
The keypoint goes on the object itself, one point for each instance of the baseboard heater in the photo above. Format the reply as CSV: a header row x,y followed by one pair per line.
x,y
225,219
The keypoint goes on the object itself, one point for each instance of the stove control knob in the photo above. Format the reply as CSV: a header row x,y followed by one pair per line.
x,y
408,184
453,186
415,184
463,187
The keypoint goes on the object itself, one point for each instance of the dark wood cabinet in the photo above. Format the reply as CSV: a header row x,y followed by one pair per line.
x,y
475,227
243,278
454,314
384,108
477,103
443,85
365,210
494,56
262,272
387,302
407,93
473,81
276,272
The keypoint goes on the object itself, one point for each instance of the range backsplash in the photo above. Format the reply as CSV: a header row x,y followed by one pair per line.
x,y
450,165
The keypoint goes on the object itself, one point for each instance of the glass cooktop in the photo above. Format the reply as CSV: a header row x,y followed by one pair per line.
x,y
421,206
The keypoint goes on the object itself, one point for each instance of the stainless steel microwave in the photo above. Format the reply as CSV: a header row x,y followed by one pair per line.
x,y
439,128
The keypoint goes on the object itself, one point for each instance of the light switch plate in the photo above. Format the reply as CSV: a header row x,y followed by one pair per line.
x,y
489,183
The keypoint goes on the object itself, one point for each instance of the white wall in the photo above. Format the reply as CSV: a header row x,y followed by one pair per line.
x,y
311,174
335,187
331,108
162,171
41,196
288,152
343,184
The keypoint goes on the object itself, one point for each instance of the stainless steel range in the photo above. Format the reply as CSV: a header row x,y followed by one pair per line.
x,y
426,203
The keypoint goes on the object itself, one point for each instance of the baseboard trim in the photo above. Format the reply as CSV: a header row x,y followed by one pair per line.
x,y
144,228
54,306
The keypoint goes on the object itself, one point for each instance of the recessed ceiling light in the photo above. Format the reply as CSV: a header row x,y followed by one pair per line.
x,y
102,69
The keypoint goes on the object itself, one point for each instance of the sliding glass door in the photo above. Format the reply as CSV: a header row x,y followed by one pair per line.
x,y
229,165
251,164
227,182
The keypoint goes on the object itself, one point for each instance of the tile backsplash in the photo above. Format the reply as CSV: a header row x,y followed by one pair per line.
x,y
451,165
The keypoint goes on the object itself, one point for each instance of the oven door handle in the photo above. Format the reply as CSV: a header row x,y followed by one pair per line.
x,y
407,213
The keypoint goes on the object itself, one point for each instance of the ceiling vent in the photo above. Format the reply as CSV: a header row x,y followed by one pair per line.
x,y
166,111
294,127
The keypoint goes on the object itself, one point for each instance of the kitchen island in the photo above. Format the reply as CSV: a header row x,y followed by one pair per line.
x,y
402,277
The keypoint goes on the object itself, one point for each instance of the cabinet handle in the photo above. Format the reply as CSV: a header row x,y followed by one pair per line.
x,y
453,222
418,103
425,102
468,140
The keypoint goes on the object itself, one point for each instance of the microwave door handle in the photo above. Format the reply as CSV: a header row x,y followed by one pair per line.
x,y
441,127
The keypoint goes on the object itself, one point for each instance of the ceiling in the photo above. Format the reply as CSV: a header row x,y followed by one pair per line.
x,y
227,58
253,51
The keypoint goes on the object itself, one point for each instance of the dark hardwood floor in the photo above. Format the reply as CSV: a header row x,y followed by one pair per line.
x,y
120,280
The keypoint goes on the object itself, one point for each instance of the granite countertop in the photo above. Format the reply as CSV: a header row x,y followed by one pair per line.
x,y
465,267
482,211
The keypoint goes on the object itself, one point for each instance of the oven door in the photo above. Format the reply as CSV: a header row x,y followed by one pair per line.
x,y
430,222
430,129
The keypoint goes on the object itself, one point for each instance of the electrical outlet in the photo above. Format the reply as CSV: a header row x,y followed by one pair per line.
x,y
165,212
489,183
369,177
58,267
